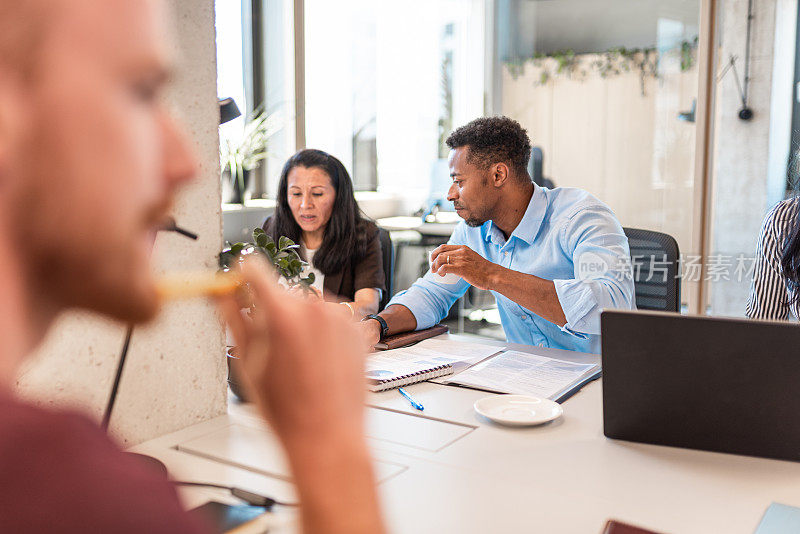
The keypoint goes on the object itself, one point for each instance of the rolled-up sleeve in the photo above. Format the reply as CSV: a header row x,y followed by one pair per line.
x,y
428,299
603,277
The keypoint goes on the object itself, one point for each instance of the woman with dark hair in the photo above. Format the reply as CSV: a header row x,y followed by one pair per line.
x,y
317,209
774,292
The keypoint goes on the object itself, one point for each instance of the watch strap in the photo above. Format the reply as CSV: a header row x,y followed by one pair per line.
x,y
381,321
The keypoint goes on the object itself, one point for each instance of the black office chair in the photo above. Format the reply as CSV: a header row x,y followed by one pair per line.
x,y
656,270
536,168
388,265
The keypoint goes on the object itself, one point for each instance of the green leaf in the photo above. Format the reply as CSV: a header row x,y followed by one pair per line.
x,y
236,248
284,242
262,240
225,259
309,279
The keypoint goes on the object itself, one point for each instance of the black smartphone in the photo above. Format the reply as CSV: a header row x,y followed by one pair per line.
x,y
225,517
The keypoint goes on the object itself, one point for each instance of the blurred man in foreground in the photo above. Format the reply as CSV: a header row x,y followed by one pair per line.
x,y
90,160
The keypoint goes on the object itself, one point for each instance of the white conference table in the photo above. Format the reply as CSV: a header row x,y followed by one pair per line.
x,y
449,470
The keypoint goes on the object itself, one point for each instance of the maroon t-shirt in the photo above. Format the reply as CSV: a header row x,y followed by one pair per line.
x,y
59,473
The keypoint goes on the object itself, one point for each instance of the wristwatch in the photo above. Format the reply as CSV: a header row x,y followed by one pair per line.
x,y
382,321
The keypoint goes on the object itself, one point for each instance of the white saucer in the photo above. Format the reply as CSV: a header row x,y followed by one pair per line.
x,y
518,410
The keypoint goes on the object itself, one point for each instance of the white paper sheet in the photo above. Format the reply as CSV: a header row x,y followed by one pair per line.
x,y
524,374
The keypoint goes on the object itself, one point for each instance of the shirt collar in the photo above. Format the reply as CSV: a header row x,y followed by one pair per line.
x,y
529,226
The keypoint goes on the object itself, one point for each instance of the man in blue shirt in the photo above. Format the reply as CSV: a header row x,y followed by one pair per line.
x,y
553,258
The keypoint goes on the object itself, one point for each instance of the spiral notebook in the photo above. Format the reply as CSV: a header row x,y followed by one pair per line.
x,y
425,360
383,379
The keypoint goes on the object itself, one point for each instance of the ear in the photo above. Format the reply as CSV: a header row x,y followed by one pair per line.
x,y
500,174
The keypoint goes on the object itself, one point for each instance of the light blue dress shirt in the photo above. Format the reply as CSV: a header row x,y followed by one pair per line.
x,y
567,236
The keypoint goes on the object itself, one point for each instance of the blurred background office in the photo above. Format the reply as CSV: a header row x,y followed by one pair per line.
x,y
640,103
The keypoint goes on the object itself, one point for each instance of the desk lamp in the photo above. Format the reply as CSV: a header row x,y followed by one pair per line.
x,y
228,110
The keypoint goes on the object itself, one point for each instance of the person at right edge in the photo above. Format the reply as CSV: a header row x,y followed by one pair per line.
x,y
552,258
774,291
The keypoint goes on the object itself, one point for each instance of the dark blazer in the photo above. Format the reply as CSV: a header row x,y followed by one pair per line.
x,y
358,273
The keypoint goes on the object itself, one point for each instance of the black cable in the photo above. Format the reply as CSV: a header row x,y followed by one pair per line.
x,y
182,231
747,53
251,498
742,92
113,397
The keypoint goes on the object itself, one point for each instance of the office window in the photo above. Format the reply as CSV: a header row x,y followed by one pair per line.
x,y
230,68
255,66
230,58
385,82
273,82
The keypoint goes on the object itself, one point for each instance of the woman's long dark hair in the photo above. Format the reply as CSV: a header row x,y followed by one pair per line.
x,y
347,233
790,260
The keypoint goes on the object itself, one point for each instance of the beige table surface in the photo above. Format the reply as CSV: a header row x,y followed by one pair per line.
x,y
449,470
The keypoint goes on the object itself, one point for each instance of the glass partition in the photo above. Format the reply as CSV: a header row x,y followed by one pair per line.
x,y
607,90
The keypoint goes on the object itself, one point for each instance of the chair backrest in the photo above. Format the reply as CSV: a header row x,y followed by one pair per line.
x,y
655,259
388,265
536,165
536,168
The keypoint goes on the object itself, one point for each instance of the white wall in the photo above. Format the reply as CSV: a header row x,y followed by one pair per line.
x,y
175,375
603,135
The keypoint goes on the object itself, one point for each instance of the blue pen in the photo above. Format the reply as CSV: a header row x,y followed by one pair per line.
x,y
414,403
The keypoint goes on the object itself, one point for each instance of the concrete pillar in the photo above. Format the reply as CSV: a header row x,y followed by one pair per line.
x,y
175,373
742,188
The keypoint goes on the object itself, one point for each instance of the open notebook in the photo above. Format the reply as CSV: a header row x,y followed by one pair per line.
x,y
523,373
427,359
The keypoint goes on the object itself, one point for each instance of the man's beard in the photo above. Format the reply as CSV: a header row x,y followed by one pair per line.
x,y
474,222
471,219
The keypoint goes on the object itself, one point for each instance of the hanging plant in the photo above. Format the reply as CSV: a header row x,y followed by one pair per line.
x,y
565,61
609,63
688,54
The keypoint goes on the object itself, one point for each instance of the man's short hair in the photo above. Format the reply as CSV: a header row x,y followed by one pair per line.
x,y
494,140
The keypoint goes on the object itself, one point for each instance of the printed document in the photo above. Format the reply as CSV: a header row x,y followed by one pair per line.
x,y
525,374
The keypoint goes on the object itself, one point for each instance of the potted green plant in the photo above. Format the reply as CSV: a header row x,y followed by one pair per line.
x,y
239,157
288,265
283,256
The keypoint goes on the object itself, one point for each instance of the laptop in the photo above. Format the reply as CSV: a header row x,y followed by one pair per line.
x,y
725,385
